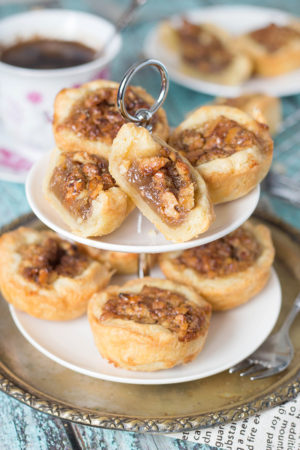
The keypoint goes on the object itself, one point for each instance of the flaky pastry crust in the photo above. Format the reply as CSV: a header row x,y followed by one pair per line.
x,y
229,177
231,290
275,61
263,108
135,145
108,208
142,346
63,299
67,138
238,70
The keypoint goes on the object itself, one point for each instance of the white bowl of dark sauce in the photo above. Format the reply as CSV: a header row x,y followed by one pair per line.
x,y
42,52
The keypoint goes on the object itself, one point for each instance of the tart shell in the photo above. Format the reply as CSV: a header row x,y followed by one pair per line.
x,y
108,209
230,291
231,177
140,346
64,299
132,143
67,139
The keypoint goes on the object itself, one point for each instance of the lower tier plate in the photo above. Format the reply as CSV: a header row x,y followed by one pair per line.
x,y
233,335
34,379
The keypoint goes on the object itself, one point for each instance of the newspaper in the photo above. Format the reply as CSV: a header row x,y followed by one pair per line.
x,y
275,429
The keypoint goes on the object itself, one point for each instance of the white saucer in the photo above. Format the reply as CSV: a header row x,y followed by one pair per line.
x,y
236,20
233,335
136,234
16,158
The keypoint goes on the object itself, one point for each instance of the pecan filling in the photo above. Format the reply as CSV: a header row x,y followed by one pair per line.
x,y
158,306
215,139
97,115
79,179
202,49
273,37
43,263
166,184
231,254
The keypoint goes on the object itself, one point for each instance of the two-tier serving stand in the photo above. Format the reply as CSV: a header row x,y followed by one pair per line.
x,y
138,235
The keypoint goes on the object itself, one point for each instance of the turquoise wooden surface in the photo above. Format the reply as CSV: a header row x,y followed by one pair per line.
x,y
20,426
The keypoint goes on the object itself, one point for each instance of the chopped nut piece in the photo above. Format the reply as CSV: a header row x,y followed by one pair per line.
x,y
230,254
158,306
43,263
202,49
273,37
97,115
165,183
218,138
79,179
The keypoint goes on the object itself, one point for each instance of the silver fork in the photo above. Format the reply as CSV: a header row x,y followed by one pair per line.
x,y
274,355
283,186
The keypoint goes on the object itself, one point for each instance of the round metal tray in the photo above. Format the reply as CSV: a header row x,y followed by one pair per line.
x,y
35,380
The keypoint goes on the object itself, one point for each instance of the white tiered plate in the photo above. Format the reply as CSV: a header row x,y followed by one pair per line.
x,y
236,20
233,335
136,234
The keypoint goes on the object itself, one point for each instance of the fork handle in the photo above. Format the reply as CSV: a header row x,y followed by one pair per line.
x,y
291,316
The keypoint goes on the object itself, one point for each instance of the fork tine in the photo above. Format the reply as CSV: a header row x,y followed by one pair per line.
x,y
240,366
267,373
252,369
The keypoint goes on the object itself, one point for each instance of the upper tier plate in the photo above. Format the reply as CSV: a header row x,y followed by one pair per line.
x,y
236,20
136,234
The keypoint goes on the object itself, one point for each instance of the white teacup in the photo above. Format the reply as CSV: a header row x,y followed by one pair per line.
x,y
27,95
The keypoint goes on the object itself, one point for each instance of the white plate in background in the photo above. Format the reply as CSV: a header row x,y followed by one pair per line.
x,y
236,20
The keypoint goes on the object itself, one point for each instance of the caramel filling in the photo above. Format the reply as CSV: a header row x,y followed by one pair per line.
x,y
273,37
158,306
78,180
202,49
166,184
97,115
215,139
231,254
44,262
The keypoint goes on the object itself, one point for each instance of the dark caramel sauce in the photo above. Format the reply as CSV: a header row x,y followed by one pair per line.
x,y
41,53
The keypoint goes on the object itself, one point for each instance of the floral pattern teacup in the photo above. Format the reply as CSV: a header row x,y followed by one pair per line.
x,y
27,95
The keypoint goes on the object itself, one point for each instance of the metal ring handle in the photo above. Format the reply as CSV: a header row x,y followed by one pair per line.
x,y
143,116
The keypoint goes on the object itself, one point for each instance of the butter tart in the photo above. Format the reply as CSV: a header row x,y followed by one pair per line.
x,y
232,151
161,183
83,192
149,324
47,277
87,118
263,108
274,49
228,271
206,51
